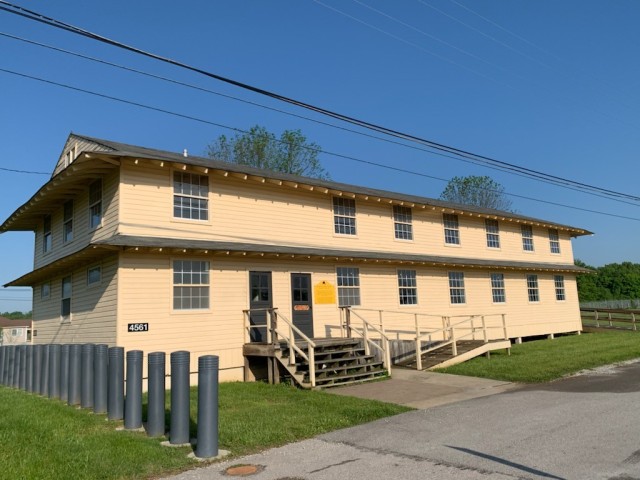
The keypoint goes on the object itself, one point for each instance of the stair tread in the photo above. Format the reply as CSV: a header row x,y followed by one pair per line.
x,y
346,367
354,375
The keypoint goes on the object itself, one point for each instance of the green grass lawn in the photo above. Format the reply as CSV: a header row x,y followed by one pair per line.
x,y
42,438
544,360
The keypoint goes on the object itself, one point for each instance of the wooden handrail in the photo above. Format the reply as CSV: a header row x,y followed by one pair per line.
x,y
364,333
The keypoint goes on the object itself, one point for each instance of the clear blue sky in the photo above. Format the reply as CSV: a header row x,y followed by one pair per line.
x,y
550,85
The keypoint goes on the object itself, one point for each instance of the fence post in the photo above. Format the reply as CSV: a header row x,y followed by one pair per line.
x,y
484,329
64,373
86,376
100,379
207,438
156,393
312,366
75,372
179,426
133,397
274,326
633,320
347,320
115,387
54,371
504,326
418,343
454,347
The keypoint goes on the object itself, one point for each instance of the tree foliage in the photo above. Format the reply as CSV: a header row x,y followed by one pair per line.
x,y
481,191
291,153
16,315
615,281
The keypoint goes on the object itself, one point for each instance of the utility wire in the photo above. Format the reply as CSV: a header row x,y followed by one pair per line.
x,y
367,135
23,171
35,16
319,150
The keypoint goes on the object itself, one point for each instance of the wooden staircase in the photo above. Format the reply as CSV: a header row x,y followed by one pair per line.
x,y
339,361
443,357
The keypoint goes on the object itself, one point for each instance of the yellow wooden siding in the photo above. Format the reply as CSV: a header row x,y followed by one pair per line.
x,y
93,308
246,211
82,234
146,296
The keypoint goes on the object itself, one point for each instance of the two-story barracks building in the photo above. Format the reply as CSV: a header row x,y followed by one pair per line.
x,y
125,235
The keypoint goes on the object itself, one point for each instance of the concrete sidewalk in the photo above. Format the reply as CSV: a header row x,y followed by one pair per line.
x,y
417,389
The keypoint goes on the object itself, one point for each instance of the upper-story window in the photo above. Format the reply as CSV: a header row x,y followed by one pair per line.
x,y
456,287
403,222
554,240
558,281
407,287
451,229
94,275
348,286
190,196
527,237
65,303
493,233
46,237
498,294
95,204
532,288
67,226
344,215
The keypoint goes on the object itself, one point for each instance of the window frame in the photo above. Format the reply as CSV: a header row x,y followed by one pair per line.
x,y
498,288
403,223
492,236
47,234
66,300
47,295
67,222
202,197
451,225
527,238
344,216
94,282
346,291
190,287
457,288
95,204
407,287
559,286
554,241
533,288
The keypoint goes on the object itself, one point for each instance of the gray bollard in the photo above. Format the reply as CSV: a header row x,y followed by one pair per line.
x,y
64,373
16,367
133,398
86,376
156,394
29,365
207,445
75,361
11,365
44,371
179,425
54,371
100,379
3,349
37,368
23,368
115,387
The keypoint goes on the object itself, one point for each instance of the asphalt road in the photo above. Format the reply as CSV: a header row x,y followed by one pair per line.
x,y
584,427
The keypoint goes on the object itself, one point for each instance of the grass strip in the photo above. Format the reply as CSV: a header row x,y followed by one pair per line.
x,y
44,438
545,360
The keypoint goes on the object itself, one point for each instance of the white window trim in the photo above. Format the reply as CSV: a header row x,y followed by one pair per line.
x,y
334,215
42,295
393,217
101,202
504,288
398,287
191,221
359,287
444,231
463,288
68,319
557,240
522,238
70,220
526,280
97,282
487,233
188,311
564,289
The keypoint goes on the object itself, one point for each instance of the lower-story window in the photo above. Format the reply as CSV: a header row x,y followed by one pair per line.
x,y
65,304
456,287
190,285
532,288
348,286
407,287
558,280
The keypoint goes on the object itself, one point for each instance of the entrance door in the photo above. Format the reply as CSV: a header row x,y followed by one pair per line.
x,y
301,302
260,291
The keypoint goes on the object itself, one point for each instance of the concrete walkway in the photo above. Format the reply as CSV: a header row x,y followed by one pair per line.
x,y
417,389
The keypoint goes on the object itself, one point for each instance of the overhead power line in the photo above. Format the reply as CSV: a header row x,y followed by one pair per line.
x,y
38,17
326,152
23,171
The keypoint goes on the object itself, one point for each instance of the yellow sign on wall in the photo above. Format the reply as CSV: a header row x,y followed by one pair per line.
x,y
324,293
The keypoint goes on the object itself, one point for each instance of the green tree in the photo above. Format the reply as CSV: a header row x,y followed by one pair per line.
x,y
16,315
481,191
291,153
615,281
